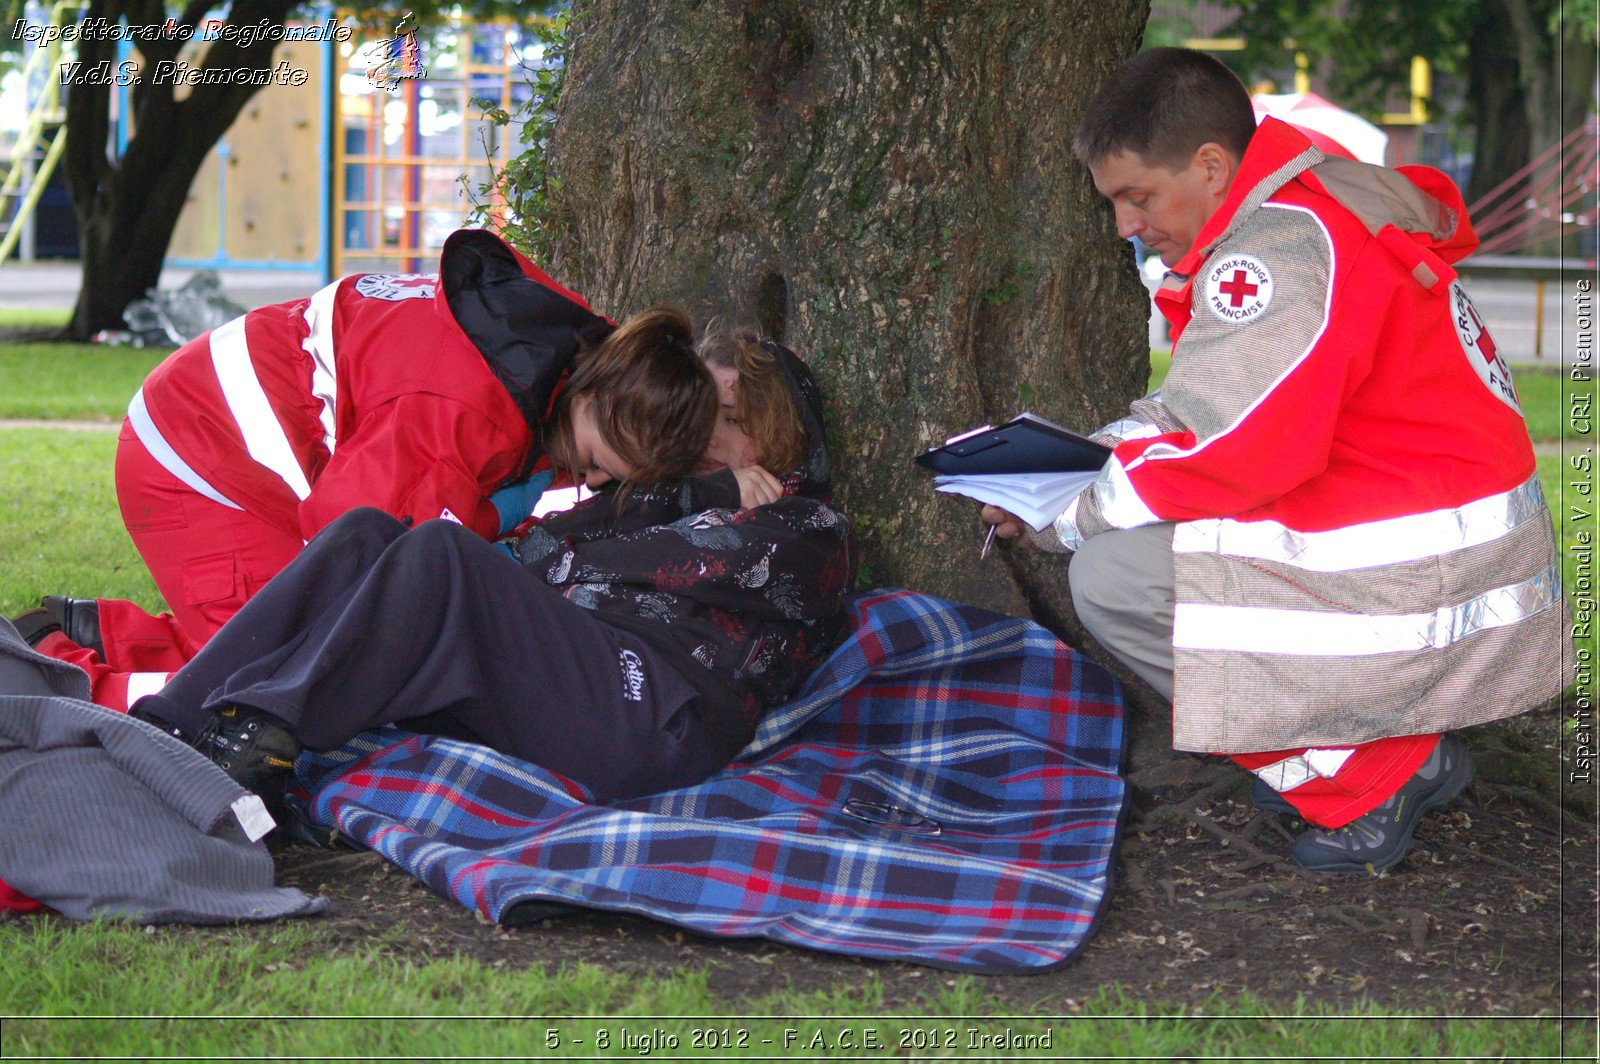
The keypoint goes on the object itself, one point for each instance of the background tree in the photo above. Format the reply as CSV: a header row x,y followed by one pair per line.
x,y
888,186
127,205
1528,66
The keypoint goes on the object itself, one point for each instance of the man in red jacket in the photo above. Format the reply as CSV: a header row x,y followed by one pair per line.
x,y
419,394
1323,538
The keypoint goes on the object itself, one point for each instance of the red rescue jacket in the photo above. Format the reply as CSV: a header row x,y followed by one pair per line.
x,y
372,392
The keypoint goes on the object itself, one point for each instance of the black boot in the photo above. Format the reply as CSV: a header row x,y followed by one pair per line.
x,y
80,620
256,753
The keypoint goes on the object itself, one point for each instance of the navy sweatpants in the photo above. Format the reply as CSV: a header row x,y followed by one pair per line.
x,y
376,624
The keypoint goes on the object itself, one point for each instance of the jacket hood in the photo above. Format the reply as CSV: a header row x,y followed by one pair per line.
x,y
527,327
814,476
1415,205
1417,200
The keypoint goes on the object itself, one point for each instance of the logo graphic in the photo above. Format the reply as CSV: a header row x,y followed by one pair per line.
x,y
632,676
1238,288
396,286
1482,354
396,59
446,515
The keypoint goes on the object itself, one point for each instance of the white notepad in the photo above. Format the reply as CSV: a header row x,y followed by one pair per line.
x,y
1037,498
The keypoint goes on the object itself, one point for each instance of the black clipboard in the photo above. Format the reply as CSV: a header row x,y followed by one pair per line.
x,y
1025,444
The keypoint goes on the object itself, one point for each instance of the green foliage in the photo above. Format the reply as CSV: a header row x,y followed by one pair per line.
x,y
1005,293
1370,42
525,185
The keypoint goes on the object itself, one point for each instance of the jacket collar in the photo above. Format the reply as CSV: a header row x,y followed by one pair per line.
x,y
1278,153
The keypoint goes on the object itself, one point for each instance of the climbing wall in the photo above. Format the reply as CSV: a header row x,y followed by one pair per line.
x,y
258,198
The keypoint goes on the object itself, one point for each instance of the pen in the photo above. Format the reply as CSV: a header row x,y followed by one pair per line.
x,y
988,541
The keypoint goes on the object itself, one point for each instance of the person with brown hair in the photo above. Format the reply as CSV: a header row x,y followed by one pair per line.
x,y
632,650
1324,537
425,396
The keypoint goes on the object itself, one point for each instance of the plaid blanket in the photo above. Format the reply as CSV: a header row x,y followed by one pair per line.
x,y
943,790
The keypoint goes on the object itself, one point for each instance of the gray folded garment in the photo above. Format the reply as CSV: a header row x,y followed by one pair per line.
x,y
104,815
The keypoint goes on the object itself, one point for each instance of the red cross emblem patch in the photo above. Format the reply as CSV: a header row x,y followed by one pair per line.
x,y
1238,288
396,286
1484,357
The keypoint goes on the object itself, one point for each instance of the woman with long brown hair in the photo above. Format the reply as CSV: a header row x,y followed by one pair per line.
x,y
425,396
630,645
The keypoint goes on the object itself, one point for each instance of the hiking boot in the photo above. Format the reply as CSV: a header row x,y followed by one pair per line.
x,y
1382,837
80,620
1268,800
35,624
77,619
255,753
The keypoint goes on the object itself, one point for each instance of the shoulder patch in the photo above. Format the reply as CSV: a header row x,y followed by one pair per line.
x,y
1482,354
1238,288
396,286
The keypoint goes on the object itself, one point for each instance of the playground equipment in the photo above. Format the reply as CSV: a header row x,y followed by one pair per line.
x,y
367,165
45,125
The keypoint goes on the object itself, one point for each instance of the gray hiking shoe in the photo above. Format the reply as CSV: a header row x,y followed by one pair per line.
x,y
1382,837
1268,800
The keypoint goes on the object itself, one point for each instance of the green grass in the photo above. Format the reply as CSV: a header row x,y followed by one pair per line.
x,y
33,318
1545,394
60,530
260,990
75,382
253,989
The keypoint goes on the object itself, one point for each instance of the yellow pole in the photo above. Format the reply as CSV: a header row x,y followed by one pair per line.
x,y
1538,318
40,179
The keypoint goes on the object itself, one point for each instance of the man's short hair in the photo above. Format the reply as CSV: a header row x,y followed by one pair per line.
x,y
1162,105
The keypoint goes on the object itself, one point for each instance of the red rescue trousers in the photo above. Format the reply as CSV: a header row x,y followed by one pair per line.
x,y
207,560
1359,778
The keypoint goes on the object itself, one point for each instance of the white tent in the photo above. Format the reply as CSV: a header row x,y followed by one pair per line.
x,y
1322,121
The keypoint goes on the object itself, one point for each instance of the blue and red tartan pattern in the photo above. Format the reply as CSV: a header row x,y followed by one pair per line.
x,y
944,790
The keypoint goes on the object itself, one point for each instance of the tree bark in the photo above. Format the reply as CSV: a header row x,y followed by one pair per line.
x,y
1495,102
889,187
1557,72
127,207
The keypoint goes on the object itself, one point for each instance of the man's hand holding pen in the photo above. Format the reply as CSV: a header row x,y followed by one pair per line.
x,y
1002,525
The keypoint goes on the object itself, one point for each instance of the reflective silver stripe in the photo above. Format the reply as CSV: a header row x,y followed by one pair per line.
x,y
1316,633
1129,429
162,452
1291,772
1162,452
1066,526
1362,546
1119,502
145,683
264,437
319,345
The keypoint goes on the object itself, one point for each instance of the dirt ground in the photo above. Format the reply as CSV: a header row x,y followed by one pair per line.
x,y
1493,913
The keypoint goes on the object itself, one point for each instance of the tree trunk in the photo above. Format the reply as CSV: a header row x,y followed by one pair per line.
x,y
1495,103
128,207
889,187
1557,72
